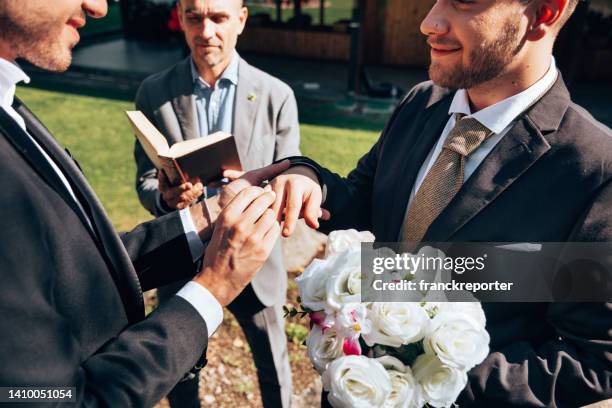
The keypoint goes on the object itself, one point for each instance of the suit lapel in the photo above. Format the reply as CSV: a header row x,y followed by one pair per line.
x,y
39,163
434,119
110,244
245,108
183,101
515,153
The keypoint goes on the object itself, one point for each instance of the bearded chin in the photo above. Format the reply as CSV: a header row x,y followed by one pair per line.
x,y
462,77
55,63
485,64
39,46
54,57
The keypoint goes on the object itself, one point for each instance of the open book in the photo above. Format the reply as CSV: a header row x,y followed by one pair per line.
x,y
205,157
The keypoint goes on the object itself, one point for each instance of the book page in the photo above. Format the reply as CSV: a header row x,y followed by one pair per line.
x,y
153,142
169,166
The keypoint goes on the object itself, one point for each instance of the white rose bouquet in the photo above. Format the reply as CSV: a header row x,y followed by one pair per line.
x,y
384,354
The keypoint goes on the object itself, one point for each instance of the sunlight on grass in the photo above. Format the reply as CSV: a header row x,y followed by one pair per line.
x,y
98,134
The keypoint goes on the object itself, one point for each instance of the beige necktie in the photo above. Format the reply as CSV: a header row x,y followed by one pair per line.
x,y
444,179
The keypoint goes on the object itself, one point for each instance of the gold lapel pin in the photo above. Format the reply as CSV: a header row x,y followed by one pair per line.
x,y
252,97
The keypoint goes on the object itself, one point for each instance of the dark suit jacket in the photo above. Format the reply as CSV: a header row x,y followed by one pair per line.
x,y
71,295
548,180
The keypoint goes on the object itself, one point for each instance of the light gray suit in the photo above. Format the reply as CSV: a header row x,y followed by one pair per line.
x,y
266,129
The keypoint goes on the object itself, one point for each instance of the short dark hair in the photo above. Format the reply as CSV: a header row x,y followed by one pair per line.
x,y
571,7
569,10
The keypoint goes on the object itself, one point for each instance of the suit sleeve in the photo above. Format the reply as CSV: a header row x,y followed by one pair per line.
x,y
135,369
146,173
157,247
287,129
349,200
573,370
142,364
39,345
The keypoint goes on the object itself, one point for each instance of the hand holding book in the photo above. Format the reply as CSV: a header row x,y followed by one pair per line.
x,y
205,158
181,196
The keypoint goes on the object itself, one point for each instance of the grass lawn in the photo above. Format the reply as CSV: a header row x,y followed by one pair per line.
x,y
98,135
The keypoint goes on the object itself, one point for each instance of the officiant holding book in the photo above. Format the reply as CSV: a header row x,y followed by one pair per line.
x,y
215,90
492,149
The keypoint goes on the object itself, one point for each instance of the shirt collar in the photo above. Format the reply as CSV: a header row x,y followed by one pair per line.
x,y
10,75
500,115
230,73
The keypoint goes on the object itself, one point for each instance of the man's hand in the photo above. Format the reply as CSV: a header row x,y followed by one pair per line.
x,y
203,216
251,178
179,197
298,194
243,237
230,175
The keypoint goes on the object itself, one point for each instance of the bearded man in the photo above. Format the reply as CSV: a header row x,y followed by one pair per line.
x,y
71,304
492,149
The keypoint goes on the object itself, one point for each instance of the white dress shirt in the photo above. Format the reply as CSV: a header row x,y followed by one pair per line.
x,y
197,295
499,118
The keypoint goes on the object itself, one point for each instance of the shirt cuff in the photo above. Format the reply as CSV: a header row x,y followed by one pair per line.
x,y
205,303
196,246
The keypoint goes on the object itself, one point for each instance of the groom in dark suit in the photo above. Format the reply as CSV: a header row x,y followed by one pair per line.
x,y
492,149
71,304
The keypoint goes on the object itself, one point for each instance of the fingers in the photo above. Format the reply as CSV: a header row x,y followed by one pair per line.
x,y
281,195
256,177
271,236
258,207
312,208
293,207
266,232
183,195
232,174
242,216
263,225
240,202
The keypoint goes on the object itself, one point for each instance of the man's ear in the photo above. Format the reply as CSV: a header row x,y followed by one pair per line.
x,y
546,14
243,16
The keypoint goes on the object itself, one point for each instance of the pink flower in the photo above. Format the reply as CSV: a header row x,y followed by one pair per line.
x,y
351,347
320,319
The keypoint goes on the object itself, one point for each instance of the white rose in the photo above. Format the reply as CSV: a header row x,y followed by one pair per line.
x,y
324,346
344,285
396,323
457,339
312,285
356,381
472,309
405,391
343,240
440,384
